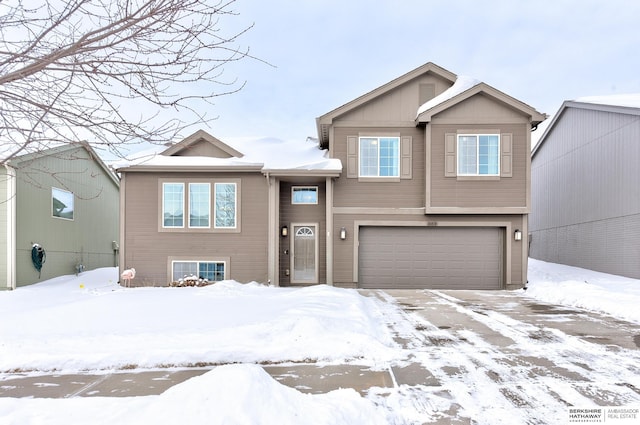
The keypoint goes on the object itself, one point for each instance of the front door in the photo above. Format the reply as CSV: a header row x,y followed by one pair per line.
x,y
304,253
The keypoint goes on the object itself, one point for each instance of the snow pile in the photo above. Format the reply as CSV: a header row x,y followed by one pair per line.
x,y
232,394
462,84
571,286
89,322
629,100
266,154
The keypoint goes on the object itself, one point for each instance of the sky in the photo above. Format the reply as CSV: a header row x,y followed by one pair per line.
x,y
325,53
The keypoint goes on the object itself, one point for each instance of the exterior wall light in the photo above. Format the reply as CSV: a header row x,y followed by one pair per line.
x,y
284,231
343,233
517,235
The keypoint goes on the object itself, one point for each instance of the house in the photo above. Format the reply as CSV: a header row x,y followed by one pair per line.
x,y
586,196
423,182
58,215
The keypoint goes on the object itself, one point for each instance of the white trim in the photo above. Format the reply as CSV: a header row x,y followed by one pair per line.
x,y
73,200
184,209
235,205
224,262
293,189
188,215
378,176
10,206
458,152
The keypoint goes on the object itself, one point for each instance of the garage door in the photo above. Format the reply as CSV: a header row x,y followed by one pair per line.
x,y
430,257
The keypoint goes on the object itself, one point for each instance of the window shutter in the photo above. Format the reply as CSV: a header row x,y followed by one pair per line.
x,y
352,157
450,155
506,155
405,157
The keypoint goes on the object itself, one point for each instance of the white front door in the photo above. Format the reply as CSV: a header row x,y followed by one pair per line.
x,y
304,253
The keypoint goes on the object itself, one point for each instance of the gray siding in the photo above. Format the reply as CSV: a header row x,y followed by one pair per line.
x,y
149,250
87,239
585,192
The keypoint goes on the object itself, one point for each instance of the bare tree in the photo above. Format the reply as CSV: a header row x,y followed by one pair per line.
x,y
107,71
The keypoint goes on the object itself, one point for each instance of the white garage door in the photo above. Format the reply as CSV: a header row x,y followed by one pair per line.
x,y
430,257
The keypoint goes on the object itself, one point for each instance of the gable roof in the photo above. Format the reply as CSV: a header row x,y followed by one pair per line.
x,y
16,161
619,103
466,87
324,121
201,136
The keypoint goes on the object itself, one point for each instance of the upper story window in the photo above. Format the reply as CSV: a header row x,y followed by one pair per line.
x,y
379,157
196,200
478,155
62,203
304,195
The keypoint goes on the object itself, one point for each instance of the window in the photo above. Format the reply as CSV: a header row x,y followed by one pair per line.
x,y
225,205
379,157
199,204
304,195
62,203
213,271
173,204
478,154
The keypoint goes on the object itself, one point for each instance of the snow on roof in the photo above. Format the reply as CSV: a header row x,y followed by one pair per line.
x,y
462,84
267,153
630,100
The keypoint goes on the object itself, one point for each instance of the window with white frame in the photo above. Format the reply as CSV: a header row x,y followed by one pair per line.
x,y
199,204
304,195
225,205
213,271
379,157
62,203
478,155
173,204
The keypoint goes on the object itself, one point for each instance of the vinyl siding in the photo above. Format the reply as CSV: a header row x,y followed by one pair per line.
x,y
469,193
148,250
405,193
585,192
87,239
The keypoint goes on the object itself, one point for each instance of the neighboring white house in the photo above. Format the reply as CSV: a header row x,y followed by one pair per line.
x,y
586,186
58,215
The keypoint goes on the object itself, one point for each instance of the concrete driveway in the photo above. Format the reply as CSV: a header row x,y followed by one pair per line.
x,y
464,357
505,358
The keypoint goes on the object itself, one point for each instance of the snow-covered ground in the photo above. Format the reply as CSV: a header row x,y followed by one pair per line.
x,y
89,322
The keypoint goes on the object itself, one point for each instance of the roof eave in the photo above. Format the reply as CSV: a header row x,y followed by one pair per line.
x,y
296,172
191,168
427,116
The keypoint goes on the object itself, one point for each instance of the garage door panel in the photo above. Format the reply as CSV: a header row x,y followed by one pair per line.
x,y
430,257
